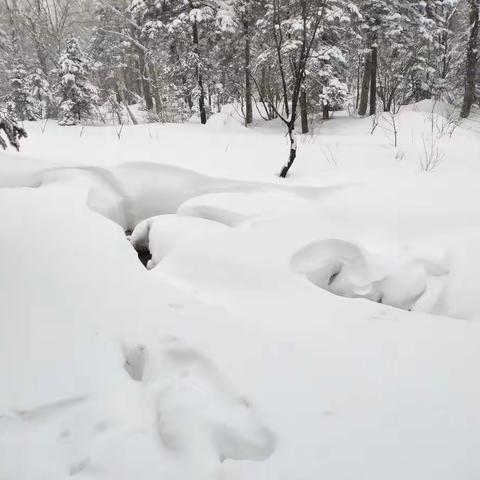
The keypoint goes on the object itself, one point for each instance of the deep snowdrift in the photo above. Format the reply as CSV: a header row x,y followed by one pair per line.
x,y
226,360
162,233
77,396
344,269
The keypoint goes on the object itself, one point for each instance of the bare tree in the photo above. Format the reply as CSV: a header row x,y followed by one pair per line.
x,y
391,123
311,14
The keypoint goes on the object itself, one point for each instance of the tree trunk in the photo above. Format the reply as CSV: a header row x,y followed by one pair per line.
x,y
198,73
145,81
373,82
357,95
304,111
472,60
291,122
130,80
38,40
362,110
130,114
248,80
326,111
293,149
297,90
154,86
189,101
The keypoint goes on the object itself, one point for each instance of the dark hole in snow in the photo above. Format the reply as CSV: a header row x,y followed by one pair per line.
x,y
144,255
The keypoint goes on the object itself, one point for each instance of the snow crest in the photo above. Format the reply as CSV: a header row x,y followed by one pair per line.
x,y
345,269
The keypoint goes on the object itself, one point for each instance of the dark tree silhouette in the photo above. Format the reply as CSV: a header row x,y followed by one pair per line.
x,y
11,130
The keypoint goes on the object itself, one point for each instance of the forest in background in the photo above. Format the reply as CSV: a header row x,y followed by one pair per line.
x,y
91,60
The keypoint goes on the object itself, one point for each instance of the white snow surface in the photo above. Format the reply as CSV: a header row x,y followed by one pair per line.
x,y
326,326
160,234
233,209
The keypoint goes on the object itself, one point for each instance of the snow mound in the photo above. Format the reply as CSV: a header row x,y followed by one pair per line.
x,y
196,410
96,187
227,119
154,189
431,106
345,269
76,397
162,233
235,208
93,186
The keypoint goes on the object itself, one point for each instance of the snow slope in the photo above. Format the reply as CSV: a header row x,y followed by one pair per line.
x,y
245,351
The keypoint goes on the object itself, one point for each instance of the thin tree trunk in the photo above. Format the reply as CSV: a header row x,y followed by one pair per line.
x,y
154,86
304,111
299,71
189,101
472,60
130,114
362,110
373,82
145,81
291,123
326,111
130,81
357,96
278,47
198,73
39,47
293,149
248,80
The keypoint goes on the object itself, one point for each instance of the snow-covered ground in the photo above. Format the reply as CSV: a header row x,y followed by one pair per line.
x,y
323,326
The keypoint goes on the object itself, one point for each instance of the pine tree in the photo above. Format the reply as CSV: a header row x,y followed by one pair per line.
x,y
20,99
76,95
326,76
41,93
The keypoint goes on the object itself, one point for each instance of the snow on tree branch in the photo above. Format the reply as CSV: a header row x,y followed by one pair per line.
x,y
11,130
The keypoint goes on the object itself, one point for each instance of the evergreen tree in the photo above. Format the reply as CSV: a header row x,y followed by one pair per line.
x,y
76,95
41,93
21,102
